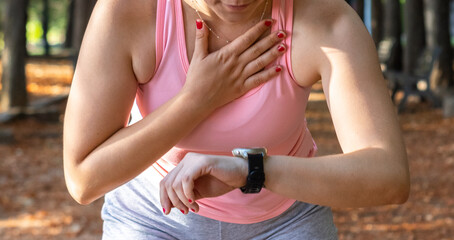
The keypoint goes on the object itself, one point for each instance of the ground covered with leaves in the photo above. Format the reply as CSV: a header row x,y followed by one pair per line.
x,y
34,203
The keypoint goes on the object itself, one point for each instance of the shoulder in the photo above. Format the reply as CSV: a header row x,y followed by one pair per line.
x,y
126,10
123,15
325,26
127,26
325,17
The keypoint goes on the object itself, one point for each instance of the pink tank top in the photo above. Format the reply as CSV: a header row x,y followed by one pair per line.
x,y
271,115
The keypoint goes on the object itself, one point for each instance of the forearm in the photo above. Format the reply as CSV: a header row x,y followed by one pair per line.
x,y
367,177
131,150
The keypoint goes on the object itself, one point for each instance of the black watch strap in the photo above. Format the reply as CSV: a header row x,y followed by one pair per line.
x,y
256,175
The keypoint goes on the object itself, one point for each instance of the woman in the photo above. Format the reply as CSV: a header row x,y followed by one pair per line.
x,y
213,75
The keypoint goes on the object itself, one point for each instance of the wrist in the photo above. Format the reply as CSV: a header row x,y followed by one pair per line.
x,y
255,174
195,103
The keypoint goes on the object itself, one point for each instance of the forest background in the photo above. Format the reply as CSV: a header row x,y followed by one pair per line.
x,y
39,42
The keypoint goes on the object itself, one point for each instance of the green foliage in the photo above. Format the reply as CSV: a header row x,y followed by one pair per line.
x,y
2,42
58,21
34,31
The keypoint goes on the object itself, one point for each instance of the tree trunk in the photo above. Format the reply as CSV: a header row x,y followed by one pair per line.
x,y
377,21
14,91
392,28
437,26
415,32
82,12
70,26
359,6
45,23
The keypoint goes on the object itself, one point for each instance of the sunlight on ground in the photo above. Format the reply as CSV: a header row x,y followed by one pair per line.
x,y
45,78
42,222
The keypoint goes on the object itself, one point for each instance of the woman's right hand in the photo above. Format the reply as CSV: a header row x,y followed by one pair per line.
x,y
220,77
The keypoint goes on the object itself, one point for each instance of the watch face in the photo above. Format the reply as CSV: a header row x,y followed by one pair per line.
x,y
243,152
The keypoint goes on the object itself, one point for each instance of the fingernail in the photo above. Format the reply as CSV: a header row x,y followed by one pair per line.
x,y
192,210
278,69
268,23
199,24
281,48
164,210
182,211
189,200
280,34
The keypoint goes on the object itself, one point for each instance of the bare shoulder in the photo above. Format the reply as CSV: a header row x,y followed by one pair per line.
x,y
123,14
321,26
130,25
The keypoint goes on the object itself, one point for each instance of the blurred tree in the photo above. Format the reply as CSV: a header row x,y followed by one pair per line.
x,y
438,35
82,12
14,92
377,21
359,6
392,28
415,33
70,25
45,24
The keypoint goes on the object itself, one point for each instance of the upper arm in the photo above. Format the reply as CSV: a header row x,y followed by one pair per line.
x,y
358,99
104,83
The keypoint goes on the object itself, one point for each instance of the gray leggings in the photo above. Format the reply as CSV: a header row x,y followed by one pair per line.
x,y
300,221
133,212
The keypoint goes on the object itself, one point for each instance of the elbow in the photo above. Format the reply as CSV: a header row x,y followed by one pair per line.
x,y
78,188
400,189
81,197
80,194
403,192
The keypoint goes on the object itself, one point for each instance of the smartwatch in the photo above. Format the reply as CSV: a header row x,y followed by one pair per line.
x,y
256,175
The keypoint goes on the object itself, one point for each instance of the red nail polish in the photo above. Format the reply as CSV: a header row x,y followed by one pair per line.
x,y
192,210
268,23
278,69
281,48
199,24
182,211
164,210
280,35
189,200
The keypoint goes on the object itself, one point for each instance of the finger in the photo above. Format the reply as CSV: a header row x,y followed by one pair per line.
x,y
189,203
243,42
261,77
201,40
176,202
164,199
262,46
187,185
262,61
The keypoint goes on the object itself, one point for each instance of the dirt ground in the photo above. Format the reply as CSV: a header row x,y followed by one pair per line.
x,y
34,203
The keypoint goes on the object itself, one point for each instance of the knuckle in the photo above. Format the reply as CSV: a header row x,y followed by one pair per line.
x,y
175,186
200,35
167,185
223,57
257,81
256,51
186,178
260,63
248,39
273,39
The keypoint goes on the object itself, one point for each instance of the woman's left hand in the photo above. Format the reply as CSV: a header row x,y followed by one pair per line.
x,y
200,176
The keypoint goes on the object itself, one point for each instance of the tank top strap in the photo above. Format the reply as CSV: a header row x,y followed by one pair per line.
x,y
159,35
168,17
283,12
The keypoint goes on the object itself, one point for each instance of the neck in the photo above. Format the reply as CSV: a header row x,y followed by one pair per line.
x,y
218,13
222,18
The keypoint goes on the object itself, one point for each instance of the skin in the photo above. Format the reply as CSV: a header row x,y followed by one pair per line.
x,y
329,43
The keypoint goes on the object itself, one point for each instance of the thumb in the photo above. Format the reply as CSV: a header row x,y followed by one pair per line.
x,y
201,40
